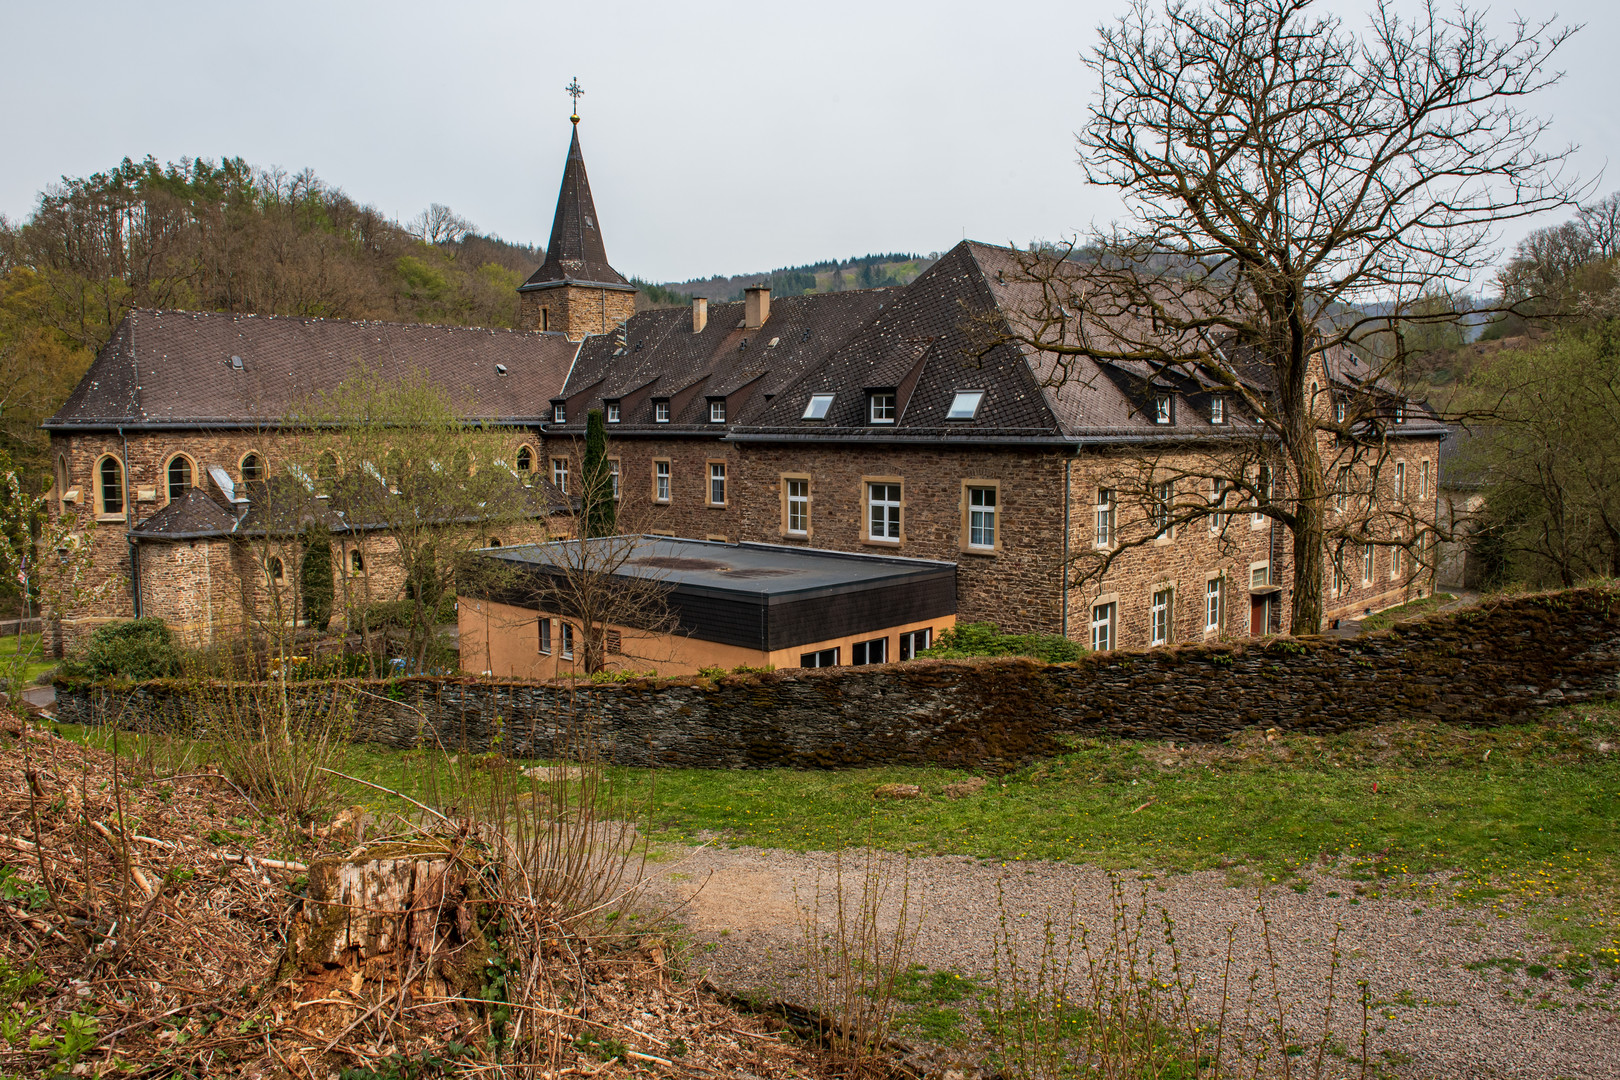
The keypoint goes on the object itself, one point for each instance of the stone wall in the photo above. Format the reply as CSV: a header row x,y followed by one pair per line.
x,y
1481,666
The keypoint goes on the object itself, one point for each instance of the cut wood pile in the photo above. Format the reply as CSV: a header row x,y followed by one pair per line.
x,y
160,925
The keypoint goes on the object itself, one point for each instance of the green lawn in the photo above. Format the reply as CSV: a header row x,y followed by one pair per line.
x,y
1383,620
28,646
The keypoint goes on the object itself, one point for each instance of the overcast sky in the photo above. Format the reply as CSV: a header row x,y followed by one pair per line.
x,y
719,138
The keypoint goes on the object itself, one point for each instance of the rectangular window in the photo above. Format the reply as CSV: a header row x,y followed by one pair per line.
x,y
1159,615
875,651
660,412
1423,482
1164,498
965,405
661,481
614,641
883,511
816,408
798,507
1161,409
545,636
1102,627
1217,498
717,412
567,632
1338,412
559,413
1338,576
915,642
982,518
1105,517
824,658
613,475
1400,481
717,483
1368,554
1263,486
1260,576
1214,604
882,408
1397,557
613,412
1400,414
1341,489
559,472
1217,409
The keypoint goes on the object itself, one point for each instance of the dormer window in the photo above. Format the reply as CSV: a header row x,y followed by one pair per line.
x,y
661,412
816,408
613,412
1161,408
881,408
1400,414
965,405
717,410
1217,409
1338,412
559,412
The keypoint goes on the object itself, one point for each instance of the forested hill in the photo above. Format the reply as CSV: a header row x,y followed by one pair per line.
x,y
832,275
223,236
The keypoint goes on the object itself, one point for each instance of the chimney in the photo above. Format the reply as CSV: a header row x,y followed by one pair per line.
x,y
759,307
700,314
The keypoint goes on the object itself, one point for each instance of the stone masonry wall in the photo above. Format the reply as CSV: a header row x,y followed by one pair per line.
x,y
575,311
1481,666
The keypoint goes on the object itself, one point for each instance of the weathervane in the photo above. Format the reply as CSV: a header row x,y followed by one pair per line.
x,y
574,91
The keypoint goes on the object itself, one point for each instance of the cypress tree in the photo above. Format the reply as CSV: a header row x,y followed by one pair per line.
x,y
315,578
599,510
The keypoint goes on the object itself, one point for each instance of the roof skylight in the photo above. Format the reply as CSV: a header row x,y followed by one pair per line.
x,y
965,406
817,407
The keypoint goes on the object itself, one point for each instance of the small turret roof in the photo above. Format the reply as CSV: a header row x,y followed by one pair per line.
x,y
576,254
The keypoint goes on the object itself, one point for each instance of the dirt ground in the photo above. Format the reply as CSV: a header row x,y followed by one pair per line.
x,y
1434,1015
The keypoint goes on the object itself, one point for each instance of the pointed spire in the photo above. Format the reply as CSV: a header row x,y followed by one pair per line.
x,y
576,254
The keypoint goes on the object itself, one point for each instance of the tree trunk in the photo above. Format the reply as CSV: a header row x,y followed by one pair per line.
x,y
1309,547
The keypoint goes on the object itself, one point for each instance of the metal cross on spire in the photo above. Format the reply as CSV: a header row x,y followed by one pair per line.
x,y
574,91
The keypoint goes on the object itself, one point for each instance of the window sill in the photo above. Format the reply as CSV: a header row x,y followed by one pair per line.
x,y
112,519
717,506
870,542
968,549
801,537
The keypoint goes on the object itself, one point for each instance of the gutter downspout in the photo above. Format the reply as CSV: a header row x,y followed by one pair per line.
x,y
1063,579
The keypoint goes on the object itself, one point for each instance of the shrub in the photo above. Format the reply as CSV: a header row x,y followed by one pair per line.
x,y
135,649
315,578
986,639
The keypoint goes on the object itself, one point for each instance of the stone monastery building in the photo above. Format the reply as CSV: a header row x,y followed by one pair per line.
x,y
866,421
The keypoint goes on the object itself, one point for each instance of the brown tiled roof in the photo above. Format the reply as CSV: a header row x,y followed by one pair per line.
x,y
175,368
576,254
656,355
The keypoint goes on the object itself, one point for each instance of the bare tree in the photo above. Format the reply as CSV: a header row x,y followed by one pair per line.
x,y
439,224
1294,188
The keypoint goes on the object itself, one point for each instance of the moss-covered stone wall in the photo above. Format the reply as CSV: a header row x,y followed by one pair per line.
x,y
1485,665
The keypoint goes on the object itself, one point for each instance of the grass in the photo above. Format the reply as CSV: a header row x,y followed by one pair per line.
x,y
1383,620
27,644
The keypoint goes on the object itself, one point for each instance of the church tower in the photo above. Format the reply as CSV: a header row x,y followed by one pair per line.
x,y
575,291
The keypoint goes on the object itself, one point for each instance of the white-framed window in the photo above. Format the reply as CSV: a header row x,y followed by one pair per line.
x,y
179,476
1161,409
1338,575
1400,481
798,507
717,483
816,408
1263,485
1160,614
613,412
875,651
1105,517
965,405
1400,414
545,636
915,642
1214,604
1217,409
982,517
661,481
559,412
1368,555
566,632
1341,489
559,473
661,412
883,511
1423,481
1338,412
1102,627
1218,496
613,475
1164,500
109,487
823,658
882,408
717,411
1397,560
1260,576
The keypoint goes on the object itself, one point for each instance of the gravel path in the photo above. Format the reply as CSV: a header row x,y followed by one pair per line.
x,y
1438,1018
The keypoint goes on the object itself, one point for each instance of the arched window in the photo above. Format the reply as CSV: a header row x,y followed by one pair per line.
x,y
278,572
179,476
357,561
525,459
326,473
110,487
252,468
494,541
